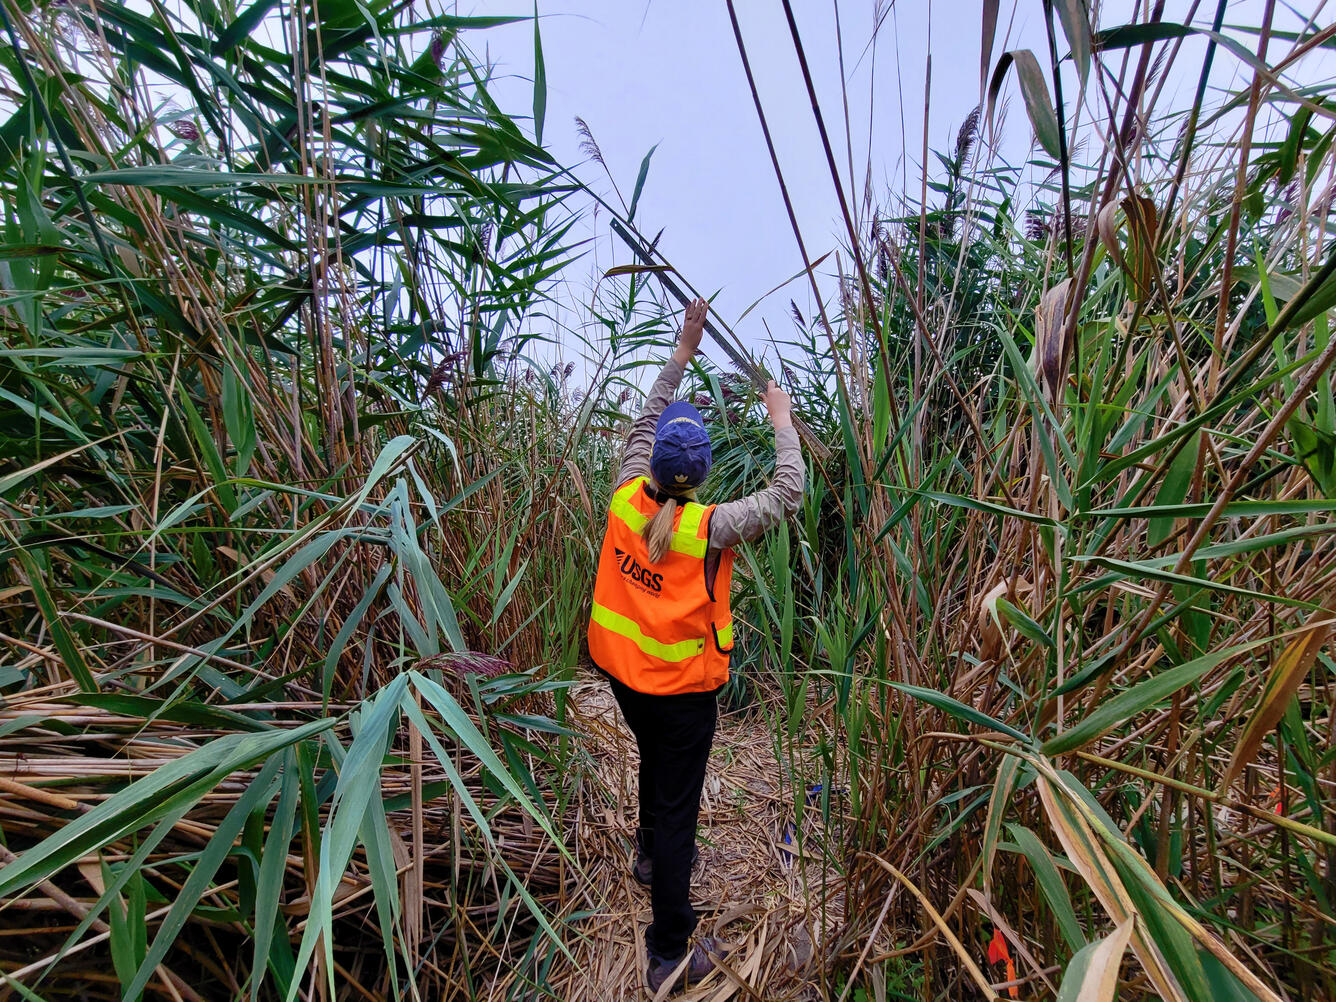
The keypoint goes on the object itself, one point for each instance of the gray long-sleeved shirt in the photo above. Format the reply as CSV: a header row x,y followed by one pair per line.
x,y
733,522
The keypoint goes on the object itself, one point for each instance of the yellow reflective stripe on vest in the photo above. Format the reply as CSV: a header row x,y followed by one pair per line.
x,y
725,635
630,629
623,509
686,536
684,539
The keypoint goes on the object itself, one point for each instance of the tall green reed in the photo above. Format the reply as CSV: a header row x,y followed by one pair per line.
x,y
1065,593
254,517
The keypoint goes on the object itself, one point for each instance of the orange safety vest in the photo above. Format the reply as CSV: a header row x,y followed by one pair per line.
x,y
659,628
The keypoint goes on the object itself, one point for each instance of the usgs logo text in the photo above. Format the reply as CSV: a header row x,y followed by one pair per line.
x,y
629,566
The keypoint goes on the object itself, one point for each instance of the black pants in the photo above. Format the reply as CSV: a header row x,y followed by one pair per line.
x,y
674,734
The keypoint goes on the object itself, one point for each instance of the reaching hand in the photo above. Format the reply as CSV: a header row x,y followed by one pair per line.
x,y
777,403
693,325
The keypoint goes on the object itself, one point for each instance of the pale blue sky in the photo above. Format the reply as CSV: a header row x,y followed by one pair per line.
x,y
667,72
651,71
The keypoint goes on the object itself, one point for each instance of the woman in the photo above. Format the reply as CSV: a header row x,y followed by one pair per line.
x,y
661,630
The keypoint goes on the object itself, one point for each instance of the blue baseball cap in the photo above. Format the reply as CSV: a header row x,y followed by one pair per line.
x,y
681,456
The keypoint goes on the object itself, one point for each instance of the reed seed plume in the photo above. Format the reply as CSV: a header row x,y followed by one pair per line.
x,y
588,146
1037,225
966,136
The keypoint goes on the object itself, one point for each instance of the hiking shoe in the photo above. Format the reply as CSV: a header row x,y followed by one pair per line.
x,y
643,870
699,964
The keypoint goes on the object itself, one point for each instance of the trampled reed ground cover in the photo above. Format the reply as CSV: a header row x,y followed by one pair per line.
x,y
1042,664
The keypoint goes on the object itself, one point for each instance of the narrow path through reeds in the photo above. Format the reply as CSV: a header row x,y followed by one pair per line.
x,y
747,887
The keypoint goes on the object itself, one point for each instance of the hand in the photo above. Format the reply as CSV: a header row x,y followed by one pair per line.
x,y
777,403
693,325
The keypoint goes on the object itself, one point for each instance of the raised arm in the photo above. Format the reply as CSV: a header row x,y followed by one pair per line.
x,y
739,521
640,441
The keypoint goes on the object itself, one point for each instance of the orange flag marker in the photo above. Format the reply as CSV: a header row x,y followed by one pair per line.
x,y
998,953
